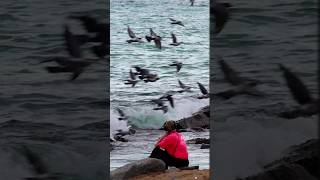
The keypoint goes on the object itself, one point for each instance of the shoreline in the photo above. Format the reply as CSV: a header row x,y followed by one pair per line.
x,y
176,174
140,146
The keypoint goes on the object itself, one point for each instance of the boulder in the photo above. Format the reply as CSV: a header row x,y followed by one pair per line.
x,y
199,141
138,168
200,119
300,162
284,172
205,146
305,154
120,138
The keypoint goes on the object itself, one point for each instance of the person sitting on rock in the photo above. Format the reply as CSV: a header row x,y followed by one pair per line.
x,y
171,148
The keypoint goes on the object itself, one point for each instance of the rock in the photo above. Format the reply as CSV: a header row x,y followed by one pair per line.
x,y
200,119
194,174
120,138
198,129
183,130
172,169
305,154
205,146
199,141
284,172
138,168
189,168
300,162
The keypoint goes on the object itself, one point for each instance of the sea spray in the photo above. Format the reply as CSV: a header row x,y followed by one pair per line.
x,y
143,117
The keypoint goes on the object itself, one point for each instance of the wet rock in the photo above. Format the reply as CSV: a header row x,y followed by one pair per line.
x,y
199,141
200,119
300,162
172,169
189,168
138,168
283,172
205,146
120,138
183,130
119,135
124,133
198,129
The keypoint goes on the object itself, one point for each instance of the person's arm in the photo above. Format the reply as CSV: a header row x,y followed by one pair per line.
x,y
168,141
160,138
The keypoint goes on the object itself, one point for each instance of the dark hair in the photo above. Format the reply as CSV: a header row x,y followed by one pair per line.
x,y
169,125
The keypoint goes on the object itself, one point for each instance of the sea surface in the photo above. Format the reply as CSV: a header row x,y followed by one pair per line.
x,y
247,132
135,102
42,111
63,123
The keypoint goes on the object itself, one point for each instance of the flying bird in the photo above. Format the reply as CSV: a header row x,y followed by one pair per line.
x,y
72,43
152,36
163,108
221,13
122,115
173,21
133,36
184,87
157,42
101,30
35,161
151,78
38,166
159,102
174,40
67,66
141,72
91,24
192,2
169,98
177,64
160,105
132,79
101,50
240,85
204,91
308,105
297,88
131,33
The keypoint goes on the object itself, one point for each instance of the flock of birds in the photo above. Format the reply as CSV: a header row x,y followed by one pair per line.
x,y
144,74
97,41
154,37
308,106
97,38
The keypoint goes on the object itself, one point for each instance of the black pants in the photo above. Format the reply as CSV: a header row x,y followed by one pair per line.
x,y
168,159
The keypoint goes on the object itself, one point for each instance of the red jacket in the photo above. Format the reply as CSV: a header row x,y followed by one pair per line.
x,y
174,144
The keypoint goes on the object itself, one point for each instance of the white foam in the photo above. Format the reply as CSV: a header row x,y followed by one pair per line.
x,y
144,117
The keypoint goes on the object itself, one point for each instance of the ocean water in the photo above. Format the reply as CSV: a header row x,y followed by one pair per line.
x,y
62,122
141,15
260,34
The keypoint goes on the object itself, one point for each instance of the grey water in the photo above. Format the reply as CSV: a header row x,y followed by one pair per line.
x,y
135,102
62,122
260,34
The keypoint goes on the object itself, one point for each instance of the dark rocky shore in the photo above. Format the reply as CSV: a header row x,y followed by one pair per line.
x,y
300,162
196,122
200,119
151,168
